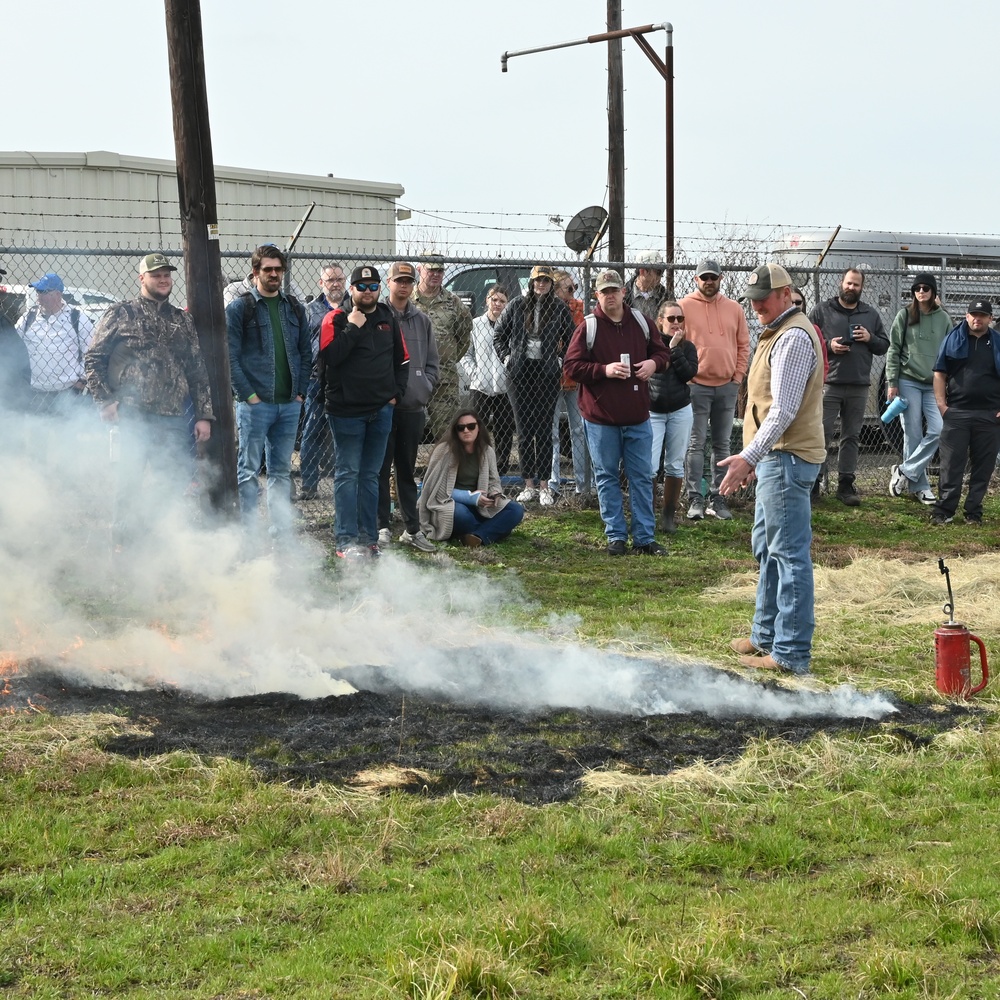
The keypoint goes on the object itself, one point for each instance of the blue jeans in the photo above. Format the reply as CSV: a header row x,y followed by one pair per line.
x,y
568,401
918,447
316,448
268,430
784,620
675,428
359,447
609,447
469,521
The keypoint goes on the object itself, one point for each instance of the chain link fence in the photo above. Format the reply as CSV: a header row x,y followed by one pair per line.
x,y
95,278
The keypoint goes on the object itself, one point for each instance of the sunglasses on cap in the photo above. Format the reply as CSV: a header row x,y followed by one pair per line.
x,y
371,286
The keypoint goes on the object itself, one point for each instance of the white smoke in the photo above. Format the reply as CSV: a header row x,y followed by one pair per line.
x,y
185,607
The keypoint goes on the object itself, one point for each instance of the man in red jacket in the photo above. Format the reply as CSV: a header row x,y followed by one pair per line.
x,y
613,366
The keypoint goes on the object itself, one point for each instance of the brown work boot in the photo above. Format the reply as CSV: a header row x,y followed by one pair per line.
x,y
671,496
746,648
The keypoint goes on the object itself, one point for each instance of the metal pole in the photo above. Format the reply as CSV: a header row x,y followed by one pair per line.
x,y
668,61
616,136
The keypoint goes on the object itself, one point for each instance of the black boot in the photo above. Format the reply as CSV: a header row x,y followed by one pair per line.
x,y
847,492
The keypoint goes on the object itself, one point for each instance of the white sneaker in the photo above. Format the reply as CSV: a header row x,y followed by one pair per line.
x,y
926,497
546,497
384,537
418,540
898,483
527,494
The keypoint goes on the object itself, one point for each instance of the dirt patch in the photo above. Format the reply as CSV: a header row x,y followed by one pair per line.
x,y
435,747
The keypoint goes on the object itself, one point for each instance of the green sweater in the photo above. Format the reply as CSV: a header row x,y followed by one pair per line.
x,y
914,349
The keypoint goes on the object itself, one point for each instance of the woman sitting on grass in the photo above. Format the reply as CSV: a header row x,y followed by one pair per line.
x,y
461,496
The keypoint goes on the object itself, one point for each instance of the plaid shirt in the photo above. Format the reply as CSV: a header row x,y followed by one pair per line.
x,y
793,360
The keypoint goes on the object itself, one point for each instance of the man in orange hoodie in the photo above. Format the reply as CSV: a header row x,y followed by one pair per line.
x,y
717,327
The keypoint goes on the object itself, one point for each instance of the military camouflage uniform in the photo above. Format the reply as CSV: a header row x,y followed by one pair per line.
x,y
145,355
452,324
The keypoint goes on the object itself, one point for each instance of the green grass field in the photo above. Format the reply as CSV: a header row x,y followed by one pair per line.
x,y
850,867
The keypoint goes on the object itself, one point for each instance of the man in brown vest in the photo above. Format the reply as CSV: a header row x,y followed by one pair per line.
x,y
783,447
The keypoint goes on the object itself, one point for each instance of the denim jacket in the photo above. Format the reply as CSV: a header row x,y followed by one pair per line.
x,y
251,346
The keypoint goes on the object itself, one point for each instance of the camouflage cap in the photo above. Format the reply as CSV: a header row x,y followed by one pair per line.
x,y
432,261
154,262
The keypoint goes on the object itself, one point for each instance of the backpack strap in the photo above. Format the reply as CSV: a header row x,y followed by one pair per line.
x,y
640,318
74,318
591,320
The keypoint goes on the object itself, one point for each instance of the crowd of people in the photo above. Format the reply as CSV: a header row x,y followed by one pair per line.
x,y
367,371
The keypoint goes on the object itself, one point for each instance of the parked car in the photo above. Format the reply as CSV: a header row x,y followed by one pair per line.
x,y
470,282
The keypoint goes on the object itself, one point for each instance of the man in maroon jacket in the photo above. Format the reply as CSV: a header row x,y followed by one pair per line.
x,y
613,360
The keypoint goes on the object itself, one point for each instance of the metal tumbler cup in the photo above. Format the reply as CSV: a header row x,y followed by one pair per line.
x,y
894,409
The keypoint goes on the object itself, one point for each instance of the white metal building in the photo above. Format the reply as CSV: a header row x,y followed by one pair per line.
x,y
103,200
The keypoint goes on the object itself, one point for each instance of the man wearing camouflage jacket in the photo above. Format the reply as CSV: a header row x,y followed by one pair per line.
x,y
144,368
452,325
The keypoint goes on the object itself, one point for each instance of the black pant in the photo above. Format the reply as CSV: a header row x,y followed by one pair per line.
x,y
401,451
499,418
973,437
533,391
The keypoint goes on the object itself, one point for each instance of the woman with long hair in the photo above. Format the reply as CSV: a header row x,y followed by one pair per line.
x,y
461,496
487,378
914,341
670,413
567,402
531,337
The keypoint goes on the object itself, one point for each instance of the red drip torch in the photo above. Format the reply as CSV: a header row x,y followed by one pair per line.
x,y
952,651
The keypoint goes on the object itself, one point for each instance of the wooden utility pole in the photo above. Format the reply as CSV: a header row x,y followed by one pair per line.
x,y
200,234
616,137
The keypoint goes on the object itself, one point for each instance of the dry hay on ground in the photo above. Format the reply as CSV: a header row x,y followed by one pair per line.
x,y
894,591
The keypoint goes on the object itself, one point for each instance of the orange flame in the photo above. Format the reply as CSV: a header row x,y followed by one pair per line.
x,y
8,668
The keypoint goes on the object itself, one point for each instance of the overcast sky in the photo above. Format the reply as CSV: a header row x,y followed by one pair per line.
x,y
804,114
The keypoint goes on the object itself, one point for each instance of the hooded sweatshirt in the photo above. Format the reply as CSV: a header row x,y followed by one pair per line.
x,y
718,329
614,402
914,349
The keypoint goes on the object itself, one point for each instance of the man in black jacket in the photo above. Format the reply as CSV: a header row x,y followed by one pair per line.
x,y
854,335
364,369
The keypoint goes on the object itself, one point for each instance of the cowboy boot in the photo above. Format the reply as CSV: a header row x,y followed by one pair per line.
x,y
671,496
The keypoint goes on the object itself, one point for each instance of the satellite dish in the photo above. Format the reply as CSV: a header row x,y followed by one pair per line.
x,y
586,228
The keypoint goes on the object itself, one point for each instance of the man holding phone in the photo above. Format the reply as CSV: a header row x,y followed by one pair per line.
x,y
854,335
364,369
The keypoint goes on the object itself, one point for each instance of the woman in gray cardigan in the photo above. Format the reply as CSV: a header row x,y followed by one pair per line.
x,y
461,496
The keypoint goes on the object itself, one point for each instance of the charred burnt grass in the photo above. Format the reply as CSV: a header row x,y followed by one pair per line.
x,y
436,748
